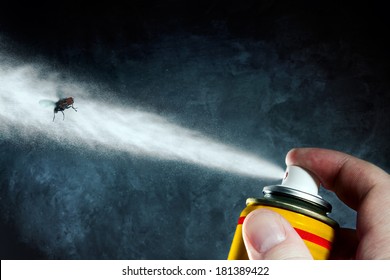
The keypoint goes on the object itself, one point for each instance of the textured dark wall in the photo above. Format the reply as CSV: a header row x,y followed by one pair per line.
x,y
263,76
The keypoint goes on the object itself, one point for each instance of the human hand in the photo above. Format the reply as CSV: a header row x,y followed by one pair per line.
x,y
359,184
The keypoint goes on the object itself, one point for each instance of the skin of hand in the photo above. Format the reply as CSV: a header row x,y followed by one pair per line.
x,y
359,184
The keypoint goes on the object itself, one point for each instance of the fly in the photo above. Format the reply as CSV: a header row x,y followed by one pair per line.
x,y
63,104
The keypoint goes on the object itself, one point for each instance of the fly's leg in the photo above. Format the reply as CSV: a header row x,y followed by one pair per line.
x,y
63,118
74,108
54,116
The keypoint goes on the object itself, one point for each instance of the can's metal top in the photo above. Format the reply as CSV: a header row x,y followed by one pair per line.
x,y
299,206
315,200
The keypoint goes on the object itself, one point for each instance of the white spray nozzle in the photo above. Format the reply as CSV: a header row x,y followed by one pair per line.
x,y
300,179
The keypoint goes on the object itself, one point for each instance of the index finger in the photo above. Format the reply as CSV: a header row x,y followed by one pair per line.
x,y
349,177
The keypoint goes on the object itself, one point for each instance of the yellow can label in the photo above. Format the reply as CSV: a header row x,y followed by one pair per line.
x,y
318,236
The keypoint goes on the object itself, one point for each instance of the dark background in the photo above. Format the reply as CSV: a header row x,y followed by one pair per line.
x,y
264,76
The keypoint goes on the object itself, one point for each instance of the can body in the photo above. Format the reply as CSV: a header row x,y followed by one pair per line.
x,y
316,229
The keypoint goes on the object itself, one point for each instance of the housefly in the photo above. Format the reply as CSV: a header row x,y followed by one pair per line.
x,y
63,104
59,106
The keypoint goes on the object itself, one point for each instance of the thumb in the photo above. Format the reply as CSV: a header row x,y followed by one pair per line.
x,y
268,236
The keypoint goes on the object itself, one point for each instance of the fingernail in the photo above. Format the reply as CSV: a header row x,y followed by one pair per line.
x,y
264,230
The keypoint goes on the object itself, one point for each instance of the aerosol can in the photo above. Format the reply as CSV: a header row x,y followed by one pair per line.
x,y
297,200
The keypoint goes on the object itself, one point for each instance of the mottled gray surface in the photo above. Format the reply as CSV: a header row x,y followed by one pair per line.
x,y
265,93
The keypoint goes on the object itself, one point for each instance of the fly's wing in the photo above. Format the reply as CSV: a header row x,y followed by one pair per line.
x,y
60,94
46,103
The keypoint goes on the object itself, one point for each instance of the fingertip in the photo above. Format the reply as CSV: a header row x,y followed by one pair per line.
x,y
296,155
290,156
263,229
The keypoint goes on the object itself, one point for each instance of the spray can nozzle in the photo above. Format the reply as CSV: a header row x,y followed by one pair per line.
x,y
301,185
300,179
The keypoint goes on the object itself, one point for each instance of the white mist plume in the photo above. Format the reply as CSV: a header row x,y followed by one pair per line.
x,y
108,125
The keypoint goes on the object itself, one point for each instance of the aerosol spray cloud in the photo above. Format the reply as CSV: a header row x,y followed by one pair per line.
x,y
108,125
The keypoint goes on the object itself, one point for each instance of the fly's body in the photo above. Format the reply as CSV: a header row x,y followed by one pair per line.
x,y
63,104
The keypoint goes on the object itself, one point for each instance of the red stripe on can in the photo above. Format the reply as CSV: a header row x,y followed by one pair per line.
x,y
241,220
305,235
